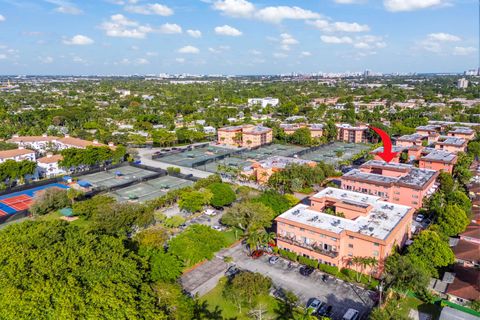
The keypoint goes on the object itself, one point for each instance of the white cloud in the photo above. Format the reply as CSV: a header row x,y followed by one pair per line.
x,y
151,9
272,14
170,28
78,59
280,55
78,40
194,33
348,1
340,26
141,61
219,49
255,52
3,56
369,42
443,37
180,60
336,40
305,54
286,40
151,54
278,14
64,6
189,49
235,8
227,30
464,51
121,26
2,18
411,5
46,60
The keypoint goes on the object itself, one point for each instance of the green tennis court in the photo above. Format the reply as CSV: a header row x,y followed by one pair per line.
x,y
116,177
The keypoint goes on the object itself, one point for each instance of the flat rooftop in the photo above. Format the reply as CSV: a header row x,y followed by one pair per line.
x,y
379,222
411,137
439,155
430,127
462,130
256,130
394,149
413,177
453,141
349,126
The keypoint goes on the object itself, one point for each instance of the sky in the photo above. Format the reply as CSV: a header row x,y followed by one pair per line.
x,y
237,37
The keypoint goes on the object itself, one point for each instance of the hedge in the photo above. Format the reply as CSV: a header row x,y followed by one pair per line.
x,y
333,270
288,254
308,262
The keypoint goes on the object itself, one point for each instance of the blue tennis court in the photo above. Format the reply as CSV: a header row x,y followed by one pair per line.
x,y
22,200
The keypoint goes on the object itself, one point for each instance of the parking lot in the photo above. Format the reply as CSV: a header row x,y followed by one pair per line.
x,y
340,295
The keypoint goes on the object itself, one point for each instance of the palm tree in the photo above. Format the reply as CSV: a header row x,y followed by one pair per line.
x,y
305,314
267,238
253,239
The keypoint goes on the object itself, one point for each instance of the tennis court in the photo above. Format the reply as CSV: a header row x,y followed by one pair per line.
x,y
190,157
116,177
271,150
17,201
335,152
232,162
149,190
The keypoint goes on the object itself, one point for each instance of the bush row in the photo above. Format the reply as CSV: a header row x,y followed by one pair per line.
x,y
343,274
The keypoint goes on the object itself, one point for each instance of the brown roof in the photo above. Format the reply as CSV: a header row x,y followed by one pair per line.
x,y
466,284
467,251
5,154
79,142
50,159
32,138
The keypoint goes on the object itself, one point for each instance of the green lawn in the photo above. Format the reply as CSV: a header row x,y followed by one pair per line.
x,y
408,303
229,310
232,236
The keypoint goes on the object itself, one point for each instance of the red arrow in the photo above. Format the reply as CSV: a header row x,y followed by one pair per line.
x,y
387,153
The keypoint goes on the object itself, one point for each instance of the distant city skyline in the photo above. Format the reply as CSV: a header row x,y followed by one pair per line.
x,y
237,37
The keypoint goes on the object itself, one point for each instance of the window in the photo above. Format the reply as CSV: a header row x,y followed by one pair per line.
x,y
376,244
302,229
375,253
350,245
350,237
350,254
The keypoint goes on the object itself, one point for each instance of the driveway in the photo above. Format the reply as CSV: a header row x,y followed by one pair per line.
x,y
340,295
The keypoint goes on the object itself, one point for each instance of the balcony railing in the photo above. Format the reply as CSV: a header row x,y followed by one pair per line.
x,y
313,247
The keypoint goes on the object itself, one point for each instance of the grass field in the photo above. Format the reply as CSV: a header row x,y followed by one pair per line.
x,y
229,310
409,303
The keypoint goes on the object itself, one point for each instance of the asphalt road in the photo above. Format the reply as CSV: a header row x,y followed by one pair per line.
x,y
340,295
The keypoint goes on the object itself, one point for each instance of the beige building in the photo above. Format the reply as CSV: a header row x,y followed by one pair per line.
x,y
246,136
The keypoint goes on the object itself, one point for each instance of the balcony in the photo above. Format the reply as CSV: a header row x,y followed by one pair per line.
x,y
311,247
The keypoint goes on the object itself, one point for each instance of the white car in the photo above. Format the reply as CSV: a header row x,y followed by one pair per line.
x,y
210,212
314,304
419,218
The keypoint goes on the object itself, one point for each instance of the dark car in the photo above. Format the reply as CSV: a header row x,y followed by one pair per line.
x,y
257,254
306,271
231,271
325,310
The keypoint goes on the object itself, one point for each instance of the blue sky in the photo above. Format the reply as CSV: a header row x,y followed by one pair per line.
x,y
237,36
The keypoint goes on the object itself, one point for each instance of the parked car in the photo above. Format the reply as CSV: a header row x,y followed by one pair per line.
x,y
314,304
306,271
273,260
419,218
256,254
218,228
231,271
325,310
351,314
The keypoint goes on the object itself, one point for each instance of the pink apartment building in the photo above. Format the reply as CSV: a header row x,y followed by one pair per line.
x,y
244,136
369,227
429,129
316,129
410,140
394,182
451,144
352,134
437,160
462,132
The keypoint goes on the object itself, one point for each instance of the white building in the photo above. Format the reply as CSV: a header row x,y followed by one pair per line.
x,y
209,130
17,155
462,83
45,143
48,166
263,102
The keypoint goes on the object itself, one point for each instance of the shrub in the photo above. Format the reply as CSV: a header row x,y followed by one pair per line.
x,y
308,262
333,270
223,195
50,200
173,170
288,254
174,222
